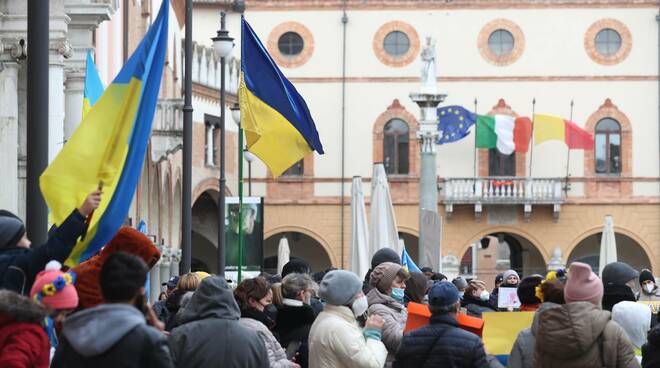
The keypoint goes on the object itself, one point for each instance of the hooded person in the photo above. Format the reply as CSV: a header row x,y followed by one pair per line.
x,y
580,333
114,334
526,291
23,341
20,263
381,256
650,291
461,284
651,350
635,319
551,293
476,299
211,334
336,339
442,343
386,300
253,296
620,282
416,287
87,273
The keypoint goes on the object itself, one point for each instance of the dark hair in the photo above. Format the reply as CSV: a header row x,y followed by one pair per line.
x,y
553,291
437,276
122,276
426,269
256,288
296,265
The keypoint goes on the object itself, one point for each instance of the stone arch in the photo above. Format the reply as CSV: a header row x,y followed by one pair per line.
x,y
397,111
205,229
508,229
309,232
211,184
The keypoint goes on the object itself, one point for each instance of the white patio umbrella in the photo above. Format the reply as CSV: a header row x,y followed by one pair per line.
x,y
607,245
383,232
359,230
283,254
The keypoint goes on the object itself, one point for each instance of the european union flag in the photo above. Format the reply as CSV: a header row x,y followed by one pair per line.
x,y
455,123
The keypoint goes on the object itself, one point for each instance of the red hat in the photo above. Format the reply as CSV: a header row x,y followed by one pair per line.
x,y
126,240
583,285
54,288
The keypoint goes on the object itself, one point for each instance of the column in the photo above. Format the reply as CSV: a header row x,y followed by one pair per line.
x,y
164,263
56,98
9,135
209,145
73,94
174,262
154,279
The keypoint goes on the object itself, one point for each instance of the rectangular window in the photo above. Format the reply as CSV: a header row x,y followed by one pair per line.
x,y
500,164
210,141
298,169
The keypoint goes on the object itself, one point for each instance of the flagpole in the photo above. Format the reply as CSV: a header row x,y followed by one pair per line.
x,y
531,149
186,196
475,140
240,203
568,156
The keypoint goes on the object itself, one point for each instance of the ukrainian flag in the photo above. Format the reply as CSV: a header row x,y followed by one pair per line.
x,y
93,86
277,123
110,144
408,263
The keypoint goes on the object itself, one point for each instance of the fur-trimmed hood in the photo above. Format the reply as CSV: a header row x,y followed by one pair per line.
x,y
21,308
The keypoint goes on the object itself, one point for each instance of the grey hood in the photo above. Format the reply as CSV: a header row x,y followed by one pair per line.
x,y
212,299
93,331
21,308
544,307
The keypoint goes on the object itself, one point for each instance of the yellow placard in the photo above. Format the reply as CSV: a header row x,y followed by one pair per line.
x,y
501,330
654,305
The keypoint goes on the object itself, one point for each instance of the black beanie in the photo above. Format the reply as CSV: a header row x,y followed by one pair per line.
x,y
11,229
645,275
384,255
527,290
618,273
296,265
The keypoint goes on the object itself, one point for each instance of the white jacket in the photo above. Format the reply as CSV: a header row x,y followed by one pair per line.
x,y
336,341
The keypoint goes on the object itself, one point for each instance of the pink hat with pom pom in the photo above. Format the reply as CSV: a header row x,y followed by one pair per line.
x,y
54,288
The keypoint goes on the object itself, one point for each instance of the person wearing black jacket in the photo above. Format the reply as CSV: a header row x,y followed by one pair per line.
x,y
19,264
476,299
295,316
115,334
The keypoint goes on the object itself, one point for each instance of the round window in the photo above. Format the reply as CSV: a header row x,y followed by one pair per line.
x,y
290,44
500,42
396,43
608,42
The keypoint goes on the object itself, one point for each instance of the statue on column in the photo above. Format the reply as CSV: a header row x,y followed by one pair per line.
x,y
428,68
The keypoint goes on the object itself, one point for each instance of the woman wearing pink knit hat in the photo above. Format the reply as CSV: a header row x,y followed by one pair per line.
x,y
580,333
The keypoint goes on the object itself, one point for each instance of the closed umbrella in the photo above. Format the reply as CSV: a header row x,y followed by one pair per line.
x,y
359,230
607,245
283,254
383,232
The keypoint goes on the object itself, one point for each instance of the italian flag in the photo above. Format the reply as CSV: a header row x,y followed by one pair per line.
x,y
506,133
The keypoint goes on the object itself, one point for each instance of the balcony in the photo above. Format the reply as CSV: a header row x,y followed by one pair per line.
x,y
494,191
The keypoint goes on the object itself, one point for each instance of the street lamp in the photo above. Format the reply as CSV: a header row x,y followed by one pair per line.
x,y
222,45
249,157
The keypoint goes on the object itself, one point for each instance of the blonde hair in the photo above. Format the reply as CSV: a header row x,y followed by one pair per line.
x,y
277,293
188,282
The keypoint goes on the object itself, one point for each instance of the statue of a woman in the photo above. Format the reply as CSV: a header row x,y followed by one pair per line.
x,y
428,68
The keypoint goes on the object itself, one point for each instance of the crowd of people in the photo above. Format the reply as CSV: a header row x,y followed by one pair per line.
x,y
97,314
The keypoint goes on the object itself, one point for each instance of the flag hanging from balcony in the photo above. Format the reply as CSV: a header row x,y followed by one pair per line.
x,y
549,127
506,133
109,146
278,125
93,88
454,123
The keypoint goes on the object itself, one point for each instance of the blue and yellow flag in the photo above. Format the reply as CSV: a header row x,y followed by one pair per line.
x,y
93,86
277,123
110,144
408,263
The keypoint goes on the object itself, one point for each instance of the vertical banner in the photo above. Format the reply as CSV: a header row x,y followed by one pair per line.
x,y
253,235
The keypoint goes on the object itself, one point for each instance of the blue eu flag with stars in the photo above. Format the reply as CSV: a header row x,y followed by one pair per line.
x,y
455,123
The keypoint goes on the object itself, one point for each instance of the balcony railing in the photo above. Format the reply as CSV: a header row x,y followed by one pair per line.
x,y
503,191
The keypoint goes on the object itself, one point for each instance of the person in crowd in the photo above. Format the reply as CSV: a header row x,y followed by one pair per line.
x,y
461,284
187,283
160,307
381,256
442,343
299,265
162,296
499,278
620,282
427,271
580,333
650,291
336,340
551,293
476,299
295,316
437,276
635,319
127,240
19,263
253,296
116,333
23,341
650,350
211,335
527,293
55,290
416,287
510,279
386,300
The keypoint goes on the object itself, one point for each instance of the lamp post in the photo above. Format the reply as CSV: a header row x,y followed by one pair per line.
x,y
222,46
249,157
236,115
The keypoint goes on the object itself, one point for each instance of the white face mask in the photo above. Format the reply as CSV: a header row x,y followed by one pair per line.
x,y
484,295
360,306
461,294
649,288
